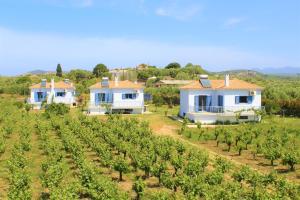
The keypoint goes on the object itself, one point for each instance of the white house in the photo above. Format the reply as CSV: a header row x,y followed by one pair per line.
x,y
59,92
208,101
117,97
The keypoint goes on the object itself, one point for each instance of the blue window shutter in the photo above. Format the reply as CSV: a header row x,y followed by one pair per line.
x,y
237,100
96,98
35,97
208,102
250,99
196,103
133,96
123,96
220,100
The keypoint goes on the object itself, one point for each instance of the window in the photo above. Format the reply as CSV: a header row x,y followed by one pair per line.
x,y
60,94
243,99
129,96
101,97
40,96
220,100
243,117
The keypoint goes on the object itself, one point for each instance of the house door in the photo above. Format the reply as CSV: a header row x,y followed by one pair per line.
x,y
202,103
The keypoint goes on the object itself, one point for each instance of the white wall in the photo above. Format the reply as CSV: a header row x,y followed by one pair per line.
x,y
118,102
187,98
68,99
229,98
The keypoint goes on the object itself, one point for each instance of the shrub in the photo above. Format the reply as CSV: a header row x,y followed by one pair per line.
x,y
56,109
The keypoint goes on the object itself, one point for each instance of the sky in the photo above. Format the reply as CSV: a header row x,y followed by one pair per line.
x,y
218,35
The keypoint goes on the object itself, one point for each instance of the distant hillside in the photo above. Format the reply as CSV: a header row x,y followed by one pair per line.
x,y
239,72
39,72
284,71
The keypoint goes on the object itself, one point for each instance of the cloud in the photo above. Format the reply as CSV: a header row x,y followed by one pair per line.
x,y
179,10
234,21
22,51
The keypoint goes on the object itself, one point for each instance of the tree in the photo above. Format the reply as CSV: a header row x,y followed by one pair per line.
x,y
121,166
59,70
272,148
100,70
242,174
158,169
291,157
228,140
139,187
173,65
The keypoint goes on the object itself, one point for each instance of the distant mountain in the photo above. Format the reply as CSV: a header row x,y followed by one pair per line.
x,y
240,72
288,71
39,72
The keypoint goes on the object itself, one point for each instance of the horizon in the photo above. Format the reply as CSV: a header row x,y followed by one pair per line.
x,y
39,34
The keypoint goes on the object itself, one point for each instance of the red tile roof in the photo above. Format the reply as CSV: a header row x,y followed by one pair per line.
x,y
59,85
234,84
121,85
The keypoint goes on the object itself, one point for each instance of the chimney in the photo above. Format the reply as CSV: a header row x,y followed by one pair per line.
x,y
226,80
116,79
105,82
52,84
67,81
43,82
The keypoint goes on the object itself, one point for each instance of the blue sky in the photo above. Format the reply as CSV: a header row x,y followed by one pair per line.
x,y
38,34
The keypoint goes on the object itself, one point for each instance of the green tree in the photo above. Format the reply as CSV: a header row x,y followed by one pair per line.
x,y
121,166
59,72
291,157
139,187
173,65
100,70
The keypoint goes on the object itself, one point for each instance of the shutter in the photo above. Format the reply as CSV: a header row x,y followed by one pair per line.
x,y
196,103
123,96
106,97
208,102
220,100
35,96
96,98
250,99
134,96
237,100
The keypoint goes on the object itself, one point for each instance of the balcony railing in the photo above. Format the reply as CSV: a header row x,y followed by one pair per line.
x,y
118,104
224,109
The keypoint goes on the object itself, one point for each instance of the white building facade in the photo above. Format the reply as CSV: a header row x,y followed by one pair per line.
x,y
210,101
116,97
47,93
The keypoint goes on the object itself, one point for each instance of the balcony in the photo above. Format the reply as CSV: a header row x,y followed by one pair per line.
x,y
118,104
224,109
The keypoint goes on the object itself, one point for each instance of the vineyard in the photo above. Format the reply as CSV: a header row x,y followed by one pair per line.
x,y
272,143
72,156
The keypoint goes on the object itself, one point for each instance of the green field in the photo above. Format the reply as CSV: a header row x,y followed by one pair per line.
x,y
45,155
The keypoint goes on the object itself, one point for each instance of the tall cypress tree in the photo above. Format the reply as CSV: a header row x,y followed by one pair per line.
x,y
59,70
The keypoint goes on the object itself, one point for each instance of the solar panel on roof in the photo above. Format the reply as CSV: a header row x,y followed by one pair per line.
x,y
205,83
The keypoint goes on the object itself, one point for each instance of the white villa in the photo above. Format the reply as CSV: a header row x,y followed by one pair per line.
x,y
208,101
59,92
117,97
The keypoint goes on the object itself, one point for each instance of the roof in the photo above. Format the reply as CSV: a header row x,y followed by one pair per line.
x,y
121,85
58,85
175,82
234,84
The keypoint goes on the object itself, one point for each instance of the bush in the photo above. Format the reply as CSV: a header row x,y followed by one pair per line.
x,y
56,109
